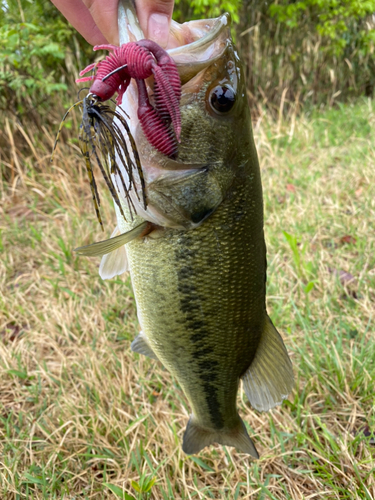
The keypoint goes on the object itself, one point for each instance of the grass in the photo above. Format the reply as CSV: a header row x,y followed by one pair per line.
x,y
82,417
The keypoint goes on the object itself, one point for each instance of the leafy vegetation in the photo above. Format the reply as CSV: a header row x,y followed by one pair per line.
x,y
81,416
39,56
342,23
203,9
312,51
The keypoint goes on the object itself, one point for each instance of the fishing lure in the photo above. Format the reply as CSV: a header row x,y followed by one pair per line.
x,y
140,60
101,138
101,132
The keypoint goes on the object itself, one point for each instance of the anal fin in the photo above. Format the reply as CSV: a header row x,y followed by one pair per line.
x,y
141,346
269,379
196,438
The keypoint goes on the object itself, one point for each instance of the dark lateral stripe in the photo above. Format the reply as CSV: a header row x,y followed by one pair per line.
x,y
213,405
206,370
199,352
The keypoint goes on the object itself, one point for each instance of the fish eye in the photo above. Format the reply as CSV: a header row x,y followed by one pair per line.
x,y
222,98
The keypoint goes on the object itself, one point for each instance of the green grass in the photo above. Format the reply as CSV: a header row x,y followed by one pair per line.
x,y
81,416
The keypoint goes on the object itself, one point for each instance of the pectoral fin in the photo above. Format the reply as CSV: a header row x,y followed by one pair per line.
x,y
269,379
103,247
141,346
114,263
196,438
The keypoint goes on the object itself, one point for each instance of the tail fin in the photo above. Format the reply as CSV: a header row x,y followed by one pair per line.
x,y
269,379
196,438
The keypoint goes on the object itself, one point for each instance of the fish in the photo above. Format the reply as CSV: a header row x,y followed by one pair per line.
x,y
197,254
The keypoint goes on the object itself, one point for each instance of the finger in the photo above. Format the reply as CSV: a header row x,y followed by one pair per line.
x,y
155,18
80,18
105,14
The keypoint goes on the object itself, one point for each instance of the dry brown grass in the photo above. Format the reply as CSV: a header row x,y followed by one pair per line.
x,y
80,411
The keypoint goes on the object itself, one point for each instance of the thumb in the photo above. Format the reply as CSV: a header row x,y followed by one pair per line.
x,y
155,18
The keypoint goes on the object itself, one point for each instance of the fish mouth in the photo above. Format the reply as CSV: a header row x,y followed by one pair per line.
x,y
207,48
167,164
196,44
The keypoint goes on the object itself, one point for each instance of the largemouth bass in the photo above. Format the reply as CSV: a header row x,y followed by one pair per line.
x,y
196,254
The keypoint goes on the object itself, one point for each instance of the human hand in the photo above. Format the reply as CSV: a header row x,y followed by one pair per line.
x,y
96,20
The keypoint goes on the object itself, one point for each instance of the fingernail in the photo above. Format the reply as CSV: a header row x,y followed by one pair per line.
x,y
158,29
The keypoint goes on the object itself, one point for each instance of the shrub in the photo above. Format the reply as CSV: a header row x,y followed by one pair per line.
x,y
38,50
203,9
315,51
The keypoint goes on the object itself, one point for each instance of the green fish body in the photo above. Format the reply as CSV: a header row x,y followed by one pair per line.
x,y
199,275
